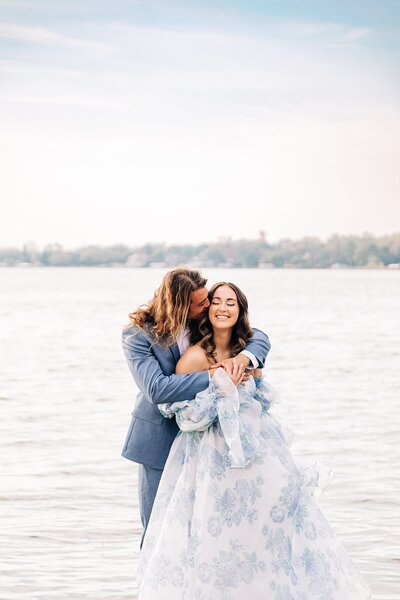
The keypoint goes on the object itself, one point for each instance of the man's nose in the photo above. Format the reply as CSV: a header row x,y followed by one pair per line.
x,y
207,303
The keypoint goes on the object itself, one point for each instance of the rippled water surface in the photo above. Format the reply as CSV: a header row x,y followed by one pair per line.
x,y
69,521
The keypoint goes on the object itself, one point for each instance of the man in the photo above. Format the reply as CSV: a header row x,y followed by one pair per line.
x,y
153,343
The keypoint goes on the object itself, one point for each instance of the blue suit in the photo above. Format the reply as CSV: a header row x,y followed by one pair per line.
x,y
150,435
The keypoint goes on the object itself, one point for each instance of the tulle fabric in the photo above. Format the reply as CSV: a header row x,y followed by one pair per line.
x,y
235,516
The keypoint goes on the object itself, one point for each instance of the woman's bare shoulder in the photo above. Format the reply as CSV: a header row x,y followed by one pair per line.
x,y
194,359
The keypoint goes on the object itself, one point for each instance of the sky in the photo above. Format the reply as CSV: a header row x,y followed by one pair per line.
x,y
134,121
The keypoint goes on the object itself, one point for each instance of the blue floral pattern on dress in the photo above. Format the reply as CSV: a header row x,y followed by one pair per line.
x,y
280,547
322,585
234,566
237,503
235,516
293,500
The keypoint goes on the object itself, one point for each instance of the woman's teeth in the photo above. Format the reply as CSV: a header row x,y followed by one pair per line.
x,y
222,317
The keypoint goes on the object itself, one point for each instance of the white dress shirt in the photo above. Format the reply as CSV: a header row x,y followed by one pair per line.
x,y
183,341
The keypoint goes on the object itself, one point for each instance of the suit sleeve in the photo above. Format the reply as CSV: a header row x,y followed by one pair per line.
x,y
149,377
259,345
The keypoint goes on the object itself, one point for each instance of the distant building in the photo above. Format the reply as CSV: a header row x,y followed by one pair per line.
x,y
157,265
24,264
135,260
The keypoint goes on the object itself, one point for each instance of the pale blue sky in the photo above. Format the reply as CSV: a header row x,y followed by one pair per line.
x,y
133,121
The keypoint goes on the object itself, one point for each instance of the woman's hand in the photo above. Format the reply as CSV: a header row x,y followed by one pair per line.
x,y
234,371
240,358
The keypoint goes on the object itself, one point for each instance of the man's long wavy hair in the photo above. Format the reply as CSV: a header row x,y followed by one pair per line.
x,y
166,314
241,333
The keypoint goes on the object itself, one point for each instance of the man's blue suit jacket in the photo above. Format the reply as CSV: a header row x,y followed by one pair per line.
x,y
150,435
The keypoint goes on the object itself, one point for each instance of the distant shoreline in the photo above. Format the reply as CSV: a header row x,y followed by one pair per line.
x,y
338,252
390,267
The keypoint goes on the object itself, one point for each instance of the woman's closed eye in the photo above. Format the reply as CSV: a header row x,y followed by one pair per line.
x,y
216,303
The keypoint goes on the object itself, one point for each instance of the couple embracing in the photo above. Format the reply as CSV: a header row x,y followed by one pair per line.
x,y
226,511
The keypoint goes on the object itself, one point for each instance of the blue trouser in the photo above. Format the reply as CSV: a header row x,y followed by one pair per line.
x,y
149,479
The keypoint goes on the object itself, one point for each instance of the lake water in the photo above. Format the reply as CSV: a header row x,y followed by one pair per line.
x,y
69,521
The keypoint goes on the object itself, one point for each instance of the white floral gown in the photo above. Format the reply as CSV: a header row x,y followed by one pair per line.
x,y
235,517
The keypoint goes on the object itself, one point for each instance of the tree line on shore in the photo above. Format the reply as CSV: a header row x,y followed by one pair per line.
x,y
338,251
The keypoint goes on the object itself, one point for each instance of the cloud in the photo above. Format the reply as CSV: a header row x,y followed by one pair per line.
x,y
188,118
331,30
359,32
45,36
231,81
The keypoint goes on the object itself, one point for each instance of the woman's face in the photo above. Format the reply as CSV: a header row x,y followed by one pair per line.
x,y
224,308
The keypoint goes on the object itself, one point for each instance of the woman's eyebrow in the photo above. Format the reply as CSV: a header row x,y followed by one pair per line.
x,y
228,299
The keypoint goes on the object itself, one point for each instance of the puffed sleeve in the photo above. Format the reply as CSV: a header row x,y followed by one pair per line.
x,y
220,401
197,414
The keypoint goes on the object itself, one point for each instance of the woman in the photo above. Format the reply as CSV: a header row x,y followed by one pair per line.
x,y
235,517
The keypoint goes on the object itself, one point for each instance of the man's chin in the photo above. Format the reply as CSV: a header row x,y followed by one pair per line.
x,y
198,318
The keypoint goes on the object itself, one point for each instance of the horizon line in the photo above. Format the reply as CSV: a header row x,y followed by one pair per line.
x,y
263,236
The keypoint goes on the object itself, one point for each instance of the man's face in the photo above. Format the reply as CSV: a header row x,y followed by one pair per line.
x,y
198,304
